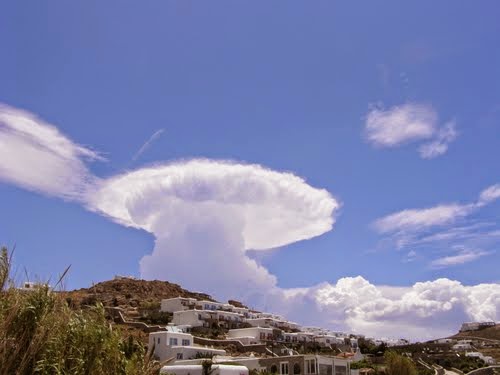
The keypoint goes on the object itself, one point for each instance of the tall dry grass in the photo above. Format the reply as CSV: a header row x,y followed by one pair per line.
x,y
40,334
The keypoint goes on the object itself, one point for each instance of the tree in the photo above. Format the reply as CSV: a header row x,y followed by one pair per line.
x,y
399,365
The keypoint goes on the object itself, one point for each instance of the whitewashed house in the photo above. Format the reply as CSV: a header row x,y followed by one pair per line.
x,y
207,318
172,305
248,336
462,345
487,359
173,344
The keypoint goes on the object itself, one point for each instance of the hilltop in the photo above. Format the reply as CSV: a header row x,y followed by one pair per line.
x,y
129,293
489,333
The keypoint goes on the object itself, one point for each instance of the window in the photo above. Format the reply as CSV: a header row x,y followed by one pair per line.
x,y
185,342
262,336
310,366
283,368
158,340
173,341
179,355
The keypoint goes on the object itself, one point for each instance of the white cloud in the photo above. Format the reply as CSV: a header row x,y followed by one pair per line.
x,y
36,156
435,229
414,220
418,219
423,311
464,256
489,195
440,144
407,123
411,256
400,124
205,214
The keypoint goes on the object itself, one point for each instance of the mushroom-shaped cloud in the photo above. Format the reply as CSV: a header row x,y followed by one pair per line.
x,y
205,214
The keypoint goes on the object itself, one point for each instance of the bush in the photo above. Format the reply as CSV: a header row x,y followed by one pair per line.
x,y
41,334
396,364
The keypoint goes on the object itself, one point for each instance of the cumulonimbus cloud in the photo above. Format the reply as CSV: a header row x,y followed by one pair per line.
x,y
38,157
205,215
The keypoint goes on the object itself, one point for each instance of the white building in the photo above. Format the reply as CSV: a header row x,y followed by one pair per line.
x,y
172,305
328,339
265,321
462,345
487,359
206,318
198,370
29,286
248,336
177,345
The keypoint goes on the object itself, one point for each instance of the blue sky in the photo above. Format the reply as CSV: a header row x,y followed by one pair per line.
x,y
292,86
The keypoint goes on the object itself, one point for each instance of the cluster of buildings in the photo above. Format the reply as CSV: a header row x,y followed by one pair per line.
x,y
248,326
265,342
469,347
271,340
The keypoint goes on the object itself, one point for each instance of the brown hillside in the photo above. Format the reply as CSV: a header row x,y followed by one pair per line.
x,y
491,333
130,293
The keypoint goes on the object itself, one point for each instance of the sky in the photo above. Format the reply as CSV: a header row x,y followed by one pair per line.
x,y
336,162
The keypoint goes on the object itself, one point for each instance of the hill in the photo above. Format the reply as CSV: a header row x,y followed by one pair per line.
x,y
129,293
489,333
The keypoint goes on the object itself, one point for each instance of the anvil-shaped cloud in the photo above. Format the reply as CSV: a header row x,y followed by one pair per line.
x,y
206,213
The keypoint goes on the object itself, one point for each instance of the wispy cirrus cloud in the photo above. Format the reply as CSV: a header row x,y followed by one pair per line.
x,y
419,219
462,257
414,220
147,144
489,195
447,227
37,156
439,145
407,123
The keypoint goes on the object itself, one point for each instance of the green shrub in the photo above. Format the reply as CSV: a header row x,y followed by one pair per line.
x,y
41,334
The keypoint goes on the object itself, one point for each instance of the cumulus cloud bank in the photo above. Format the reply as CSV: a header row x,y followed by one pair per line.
x,y
407,123
206,214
